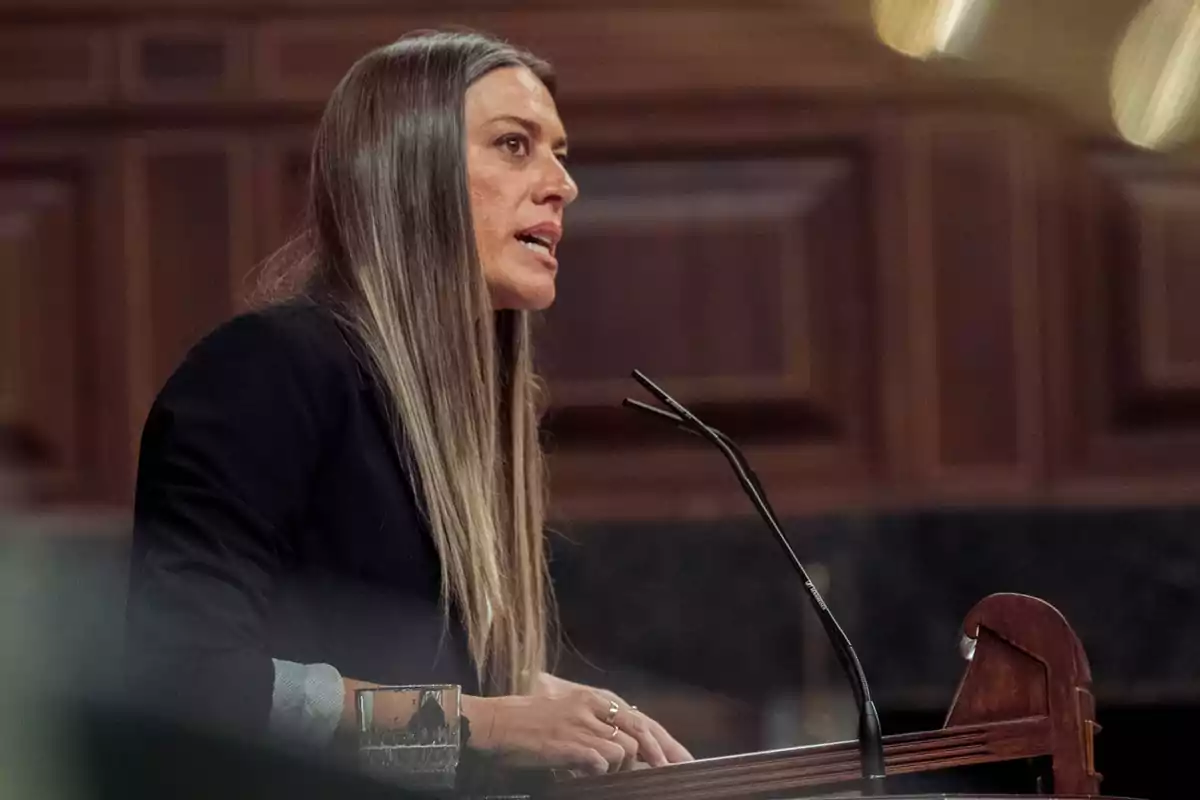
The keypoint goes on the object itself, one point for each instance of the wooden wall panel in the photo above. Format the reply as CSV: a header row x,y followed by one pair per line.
x,y
189,226
744,288
926,302
604,52
56,66
42,235
64,363
829,10
973,304
180,61
1132,362
281,164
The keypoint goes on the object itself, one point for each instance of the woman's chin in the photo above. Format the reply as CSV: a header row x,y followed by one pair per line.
x,y
527,297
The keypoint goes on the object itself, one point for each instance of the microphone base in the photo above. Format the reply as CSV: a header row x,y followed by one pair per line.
x,y
873,786
870,742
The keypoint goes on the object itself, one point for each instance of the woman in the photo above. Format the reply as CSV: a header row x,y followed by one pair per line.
x,y
344,489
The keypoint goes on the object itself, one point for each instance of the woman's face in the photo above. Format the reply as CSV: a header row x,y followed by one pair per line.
x,y
519,185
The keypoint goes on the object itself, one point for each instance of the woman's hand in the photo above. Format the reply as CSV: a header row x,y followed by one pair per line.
x,y
571,726
640,725
568,731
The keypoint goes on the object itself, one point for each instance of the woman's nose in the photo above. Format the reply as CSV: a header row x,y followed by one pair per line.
x,y
557,185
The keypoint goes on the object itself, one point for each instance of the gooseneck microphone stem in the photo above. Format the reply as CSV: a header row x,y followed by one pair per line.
x,y
870,735
683,426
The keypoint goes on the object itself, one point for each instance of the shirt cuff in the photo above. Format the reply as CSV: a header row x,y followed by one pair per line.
x,y
306,702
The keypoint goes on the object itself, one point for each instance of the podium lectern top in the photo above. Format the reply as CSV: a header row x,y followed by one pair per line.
x,y
1025,697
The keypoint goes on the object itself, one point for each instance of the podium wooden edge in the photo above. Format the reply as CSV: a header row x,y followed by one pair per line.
x,y
1026,693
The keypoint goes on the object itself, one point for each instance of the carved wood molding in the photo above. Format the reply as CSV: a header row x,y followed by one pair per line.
x,y
1126,352
972,312
827,10
226,59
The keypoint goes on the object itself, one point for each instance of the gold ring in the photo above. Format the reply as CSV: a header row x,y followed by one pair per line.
x,y
613,710
616,730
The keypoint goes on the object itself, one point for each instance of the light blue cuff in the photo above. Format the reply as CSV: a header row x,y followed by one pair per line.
x,y
306,703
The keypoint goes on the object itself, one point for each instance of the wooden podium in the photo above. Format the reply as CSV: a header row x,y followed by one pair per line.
x,y
1026,694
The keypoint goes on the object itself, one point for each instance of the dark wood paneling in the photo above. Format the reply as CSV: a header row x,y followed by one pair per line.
x,y
973,303
281,187
744,287
42,233
816,9
185,62
281,166
888,297
57,258
733,280
661,51
189,200
54,66
1133,354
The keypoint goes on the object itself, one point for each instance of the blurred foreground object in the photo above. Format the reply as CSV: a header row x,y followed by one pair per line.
x,y
1131,67
423,753
1155,81
925,28
23,458
36,762
66,730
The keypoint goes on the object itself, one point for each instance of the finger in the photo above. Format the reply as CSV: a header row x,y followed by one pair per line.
x,y
631,747
632,722
582,758
672,749
613,753
673,752
637,725
614,735
593,713
603,704
608,697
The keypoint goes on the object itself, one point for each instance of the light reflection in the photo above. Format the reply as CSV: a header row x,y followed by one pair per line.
x,y
1155,82
926,28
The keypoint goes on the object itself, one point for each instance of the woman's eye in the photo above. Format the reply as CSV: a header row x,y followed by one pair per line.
x,y
515,144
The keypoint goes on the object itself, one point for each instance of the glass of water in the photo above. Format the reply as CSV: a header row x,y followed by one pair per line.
x,y
410,734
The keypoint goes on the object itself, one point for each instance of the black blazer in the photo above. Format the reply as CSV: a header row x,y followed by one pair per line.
x,y
273,519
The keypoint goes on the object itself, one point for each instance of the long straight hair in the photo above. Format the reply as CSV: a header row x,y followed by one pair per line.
x,y
393,250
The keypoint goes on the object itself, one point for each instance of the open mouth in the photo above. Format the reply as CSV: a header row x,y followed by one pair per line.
x,y
536,243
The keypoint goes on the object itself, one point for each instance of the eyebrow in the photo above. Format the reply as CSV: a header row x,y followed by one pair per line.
x,y
531,127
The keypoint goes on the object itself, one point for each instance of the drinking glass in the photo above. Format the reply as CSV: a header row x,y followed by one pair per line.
x,y
417,740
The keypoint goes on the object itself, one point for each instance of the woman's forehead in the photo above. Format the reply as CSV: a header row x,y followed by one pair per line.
x,y
513,92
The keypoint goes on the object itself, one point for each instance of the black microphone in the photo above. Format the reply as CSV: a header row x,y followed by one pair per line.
x,y
870,736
